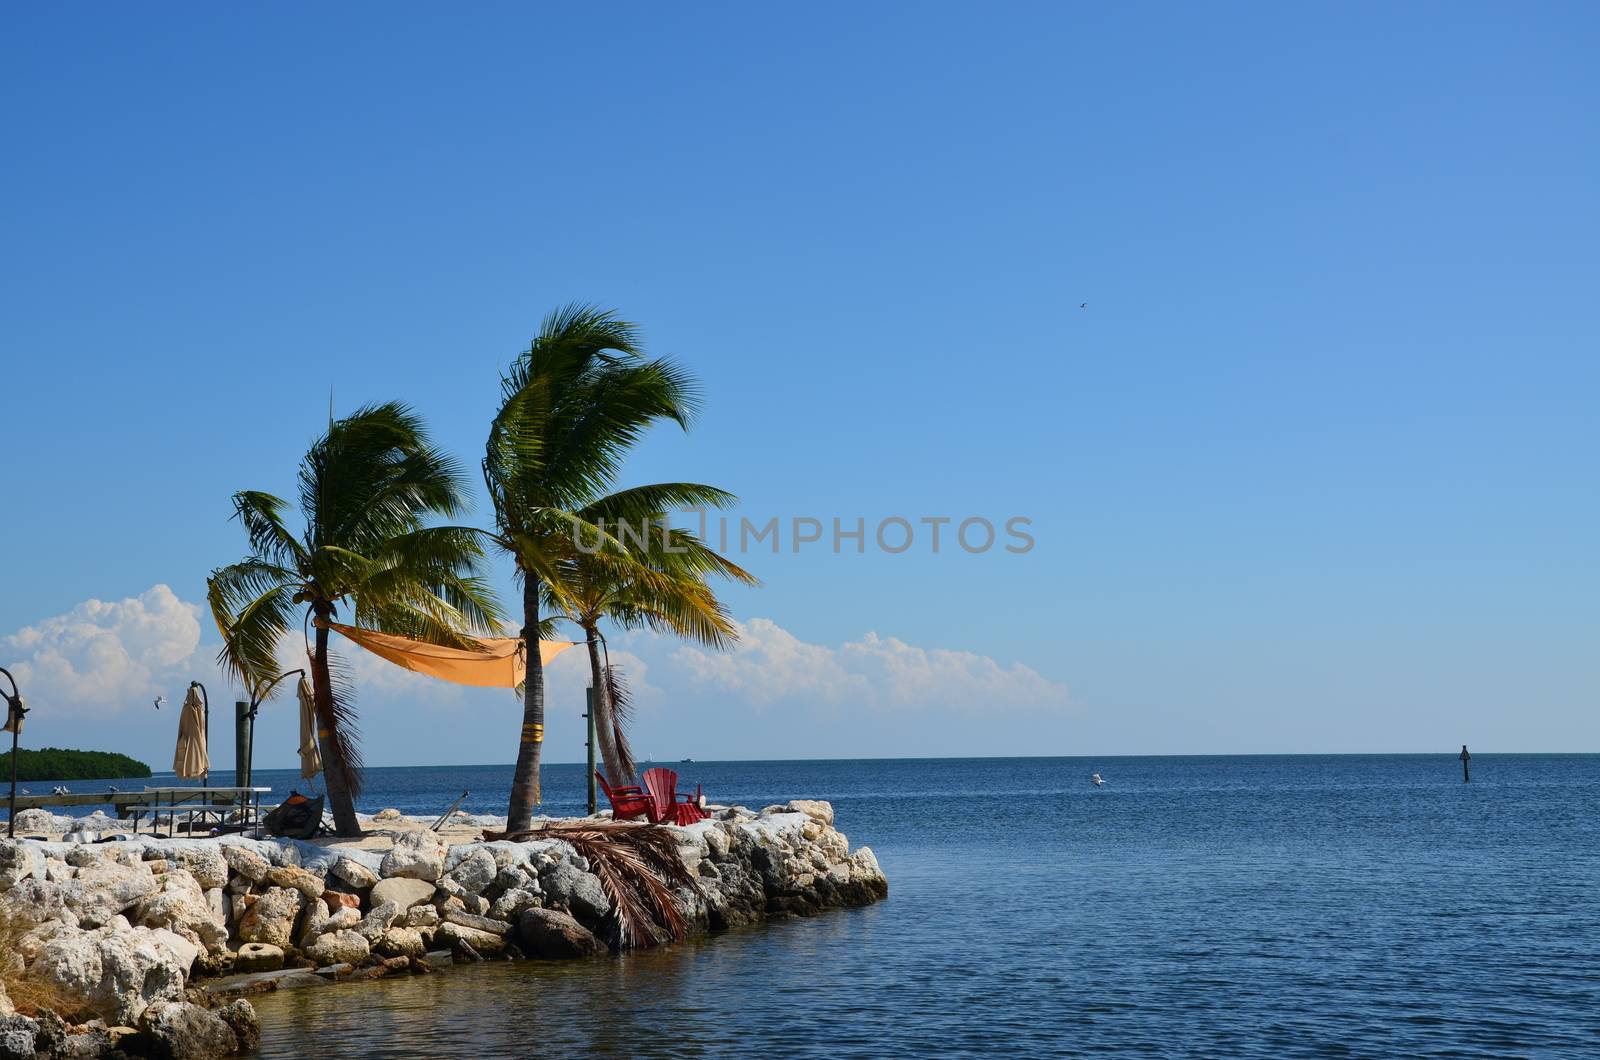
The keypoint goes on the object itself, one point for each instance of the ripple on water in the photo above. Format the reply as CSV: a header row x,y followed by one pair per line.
x,y
1241,907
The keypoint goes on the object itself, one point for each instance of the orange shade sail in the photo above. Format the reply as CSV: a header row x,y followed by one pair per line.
x,y
498,665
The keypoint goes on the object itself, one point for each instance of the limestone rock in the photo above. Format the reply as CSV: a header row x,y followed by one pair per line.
x,y
205,861
416,855
313,922
419,916
390,814
485,943
246,862
183,1031
307,883
378,921
112,973
104,889
478,923
241,1018
511,903
29,903
179,905
476,871
337,900
342,919
19,859
816,809
36,820
402,891
258,957
271,917
338,947
401,942
566,886
19,1036
354,873
552,933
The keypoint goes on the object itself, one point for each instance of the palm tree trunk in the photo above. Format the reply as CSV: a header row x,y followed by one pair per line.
x,y
525,794
605,733
334,767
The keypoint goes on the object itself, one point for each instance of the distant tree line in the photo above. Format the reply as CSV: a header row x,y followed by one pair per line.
x,y
57,763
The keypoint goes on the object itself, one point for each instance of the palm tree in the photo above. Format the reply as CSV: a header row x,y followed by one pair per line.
x,y
365,489
660,587
572,406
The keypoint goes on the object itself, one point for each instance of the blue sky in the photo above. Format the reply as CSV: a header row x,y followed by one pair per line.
x,y
1313,471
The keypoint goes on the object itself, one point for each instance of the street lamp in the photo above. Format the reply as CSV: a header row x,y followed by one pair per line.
x,y
257,696
15,709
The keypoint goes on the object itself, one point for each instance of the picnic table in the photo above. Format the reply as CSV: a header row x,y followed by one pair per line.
x,y
195,804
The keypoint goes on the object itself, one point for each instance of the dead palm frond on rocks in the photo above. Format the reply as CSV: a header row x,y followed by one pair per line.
x,y
638,866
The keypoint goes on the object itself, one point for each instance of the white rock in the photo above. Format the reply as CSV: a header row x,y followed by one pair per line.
x,y
105,888
19,859
354,873
378,921
36,820
339,947
416,855
271,917
816,809
204,860
179,905
29,903
419,916
344,918
402,891
476,871
114,973
246,863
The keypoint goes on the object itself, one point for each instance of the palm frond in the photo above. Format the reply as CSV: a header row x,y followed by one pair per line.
x,y
638,866
251,627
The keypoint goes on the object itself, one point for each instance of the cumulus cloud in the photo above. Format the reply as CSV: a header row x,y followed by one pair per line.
x,y
770,664
103,656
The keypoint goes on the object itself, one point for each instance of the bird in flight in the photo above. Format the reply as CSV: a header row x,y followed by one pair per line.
x,y
1083,305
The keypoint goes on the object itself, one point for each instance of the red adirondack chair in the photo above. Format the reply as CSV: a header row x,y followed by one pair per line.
x,y
666,805
626,801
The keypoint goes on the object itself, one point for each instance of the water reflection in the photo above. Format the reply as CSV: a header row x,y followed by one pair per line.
x,y
702,997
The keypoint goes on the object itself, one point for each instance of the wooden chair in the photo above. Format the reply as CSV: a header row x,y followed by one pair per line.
x,y
666,806
626,801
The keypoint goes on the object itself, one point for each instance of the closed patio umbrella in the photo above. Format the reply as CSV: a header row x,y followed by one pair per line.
x,y
310,754
191,759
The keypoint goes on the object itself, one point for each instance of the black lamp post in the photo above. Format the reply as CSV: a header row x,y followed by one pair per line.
x,y
256,698
14,712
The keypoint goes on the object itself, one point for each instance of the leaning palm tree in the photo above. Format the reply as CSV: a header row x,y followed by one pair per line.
x,y
659,583
572,405
366,488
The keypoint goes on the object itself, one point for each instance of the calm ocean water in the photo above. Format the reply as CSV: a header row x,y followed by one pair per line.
x,y
1218,907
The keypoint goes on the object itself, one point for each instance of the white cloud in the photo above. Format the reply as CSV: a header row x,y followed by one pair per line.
x,y
102,657
770,664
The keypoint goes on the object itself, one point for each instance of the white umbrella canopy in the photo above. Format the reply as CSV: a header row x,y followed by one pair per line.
x,y
191,759
310,754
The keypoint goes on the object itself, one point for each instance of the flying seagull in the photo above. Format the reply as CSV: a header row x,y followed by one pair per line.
x,y
1083,305
160,700
1098,780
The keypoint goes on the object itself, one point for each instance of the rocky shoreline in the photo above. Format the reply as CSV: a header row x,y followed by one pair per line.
x,y
144,947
